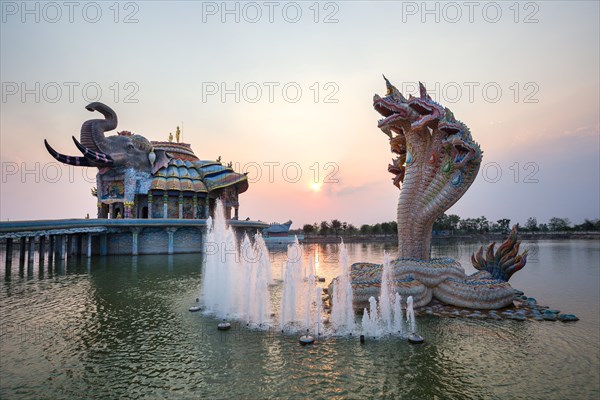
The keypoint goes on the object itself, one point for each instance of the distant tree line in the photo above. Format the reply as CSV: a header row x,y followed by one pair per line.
x,y
450,224
339,228
454,224
560,224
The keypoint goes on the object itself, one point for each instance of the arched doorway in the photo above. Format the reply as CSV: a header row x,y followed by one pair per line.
x,y
117,212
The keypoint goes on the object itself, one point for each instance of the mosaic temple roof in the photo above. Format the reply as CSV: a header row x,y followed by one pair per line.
x,y
199,176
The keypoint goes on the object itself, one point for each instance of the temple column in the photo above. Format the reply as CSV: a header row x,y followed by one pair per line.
x,y
206,208
9,250
236,205
135,207
150,201
31,250
171,239
89,245
110,210
165,205
180,205
134,241
195,206
22,245
129,209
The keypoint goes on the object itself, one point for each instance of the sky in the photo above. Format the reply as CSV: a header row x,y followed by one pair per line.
x,y
284,91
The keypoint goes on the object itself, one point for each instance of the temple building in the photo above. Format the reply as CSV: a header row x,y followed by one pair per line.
x,y
139,178
148,193
186,188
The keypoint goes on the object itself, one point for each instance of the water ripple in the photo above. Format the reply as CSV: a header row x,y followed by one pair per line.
x,y
122,329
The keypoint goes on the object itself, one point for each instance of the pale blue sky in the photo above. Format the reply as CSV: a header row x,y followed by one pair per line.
x,y
170,55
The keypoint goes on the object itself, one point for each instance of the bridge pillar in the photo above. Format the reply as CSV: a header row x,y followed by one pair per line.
x,y
42,249
51,250
134,241
72,245
63,247
103,244
79,245
57,244
9,250
22,245
89,245
170,263
31,250
171,239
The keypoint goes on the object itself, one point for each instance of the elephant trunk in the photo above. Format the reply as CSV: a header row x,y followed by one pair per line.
x,y
92,131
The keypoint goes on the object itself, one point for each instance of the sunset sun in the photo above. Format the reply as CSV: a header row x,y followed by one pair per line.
x,y
315,186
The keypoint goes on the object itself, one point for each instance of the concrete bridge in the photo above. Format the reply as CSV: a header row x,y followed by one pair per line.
x,y
59,238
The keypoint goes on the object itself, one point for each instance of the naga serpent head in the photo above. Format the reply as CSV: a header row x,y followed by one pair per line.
x,y
457,140
417,121
401,117
395,109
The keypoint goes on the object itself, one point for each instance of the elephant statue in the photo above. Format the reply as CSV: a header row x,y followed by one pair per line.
x,y
132,171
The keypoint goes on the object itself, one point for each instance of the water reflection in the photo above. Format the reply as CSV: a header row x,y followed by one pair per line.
x,y
317,263
119,326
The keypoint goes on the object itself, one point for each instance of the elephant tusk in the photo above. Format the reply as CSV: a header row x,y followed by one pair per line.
x,y
95,157
152,157
70,160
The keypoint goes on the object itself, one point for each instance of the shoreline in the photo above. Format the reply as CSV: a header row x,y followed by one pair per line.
x,y
476,237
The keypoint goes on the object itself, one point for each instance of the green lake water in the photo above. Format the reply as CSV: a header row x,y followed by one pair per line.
x,y
119,327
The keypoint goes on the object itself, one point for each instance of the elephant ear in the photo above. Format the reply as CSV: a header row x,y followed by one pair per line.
x,y
162,160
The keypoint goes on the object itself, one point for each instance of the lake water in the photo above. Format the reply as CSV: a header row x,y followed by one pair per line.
x,y
114,327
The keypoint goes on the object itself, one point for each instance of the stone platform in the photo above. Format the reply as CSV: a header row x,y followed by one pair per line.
x,y
523,309
88,237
